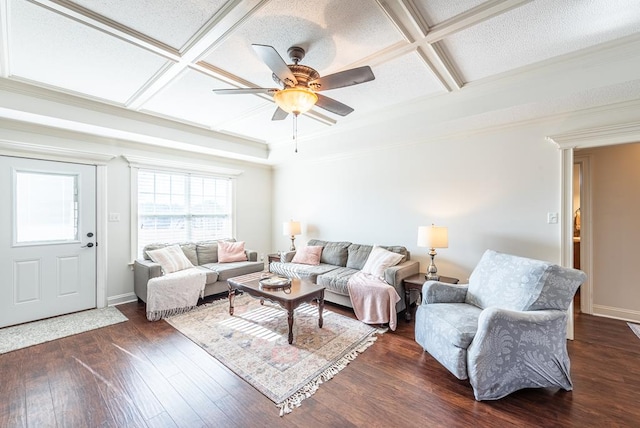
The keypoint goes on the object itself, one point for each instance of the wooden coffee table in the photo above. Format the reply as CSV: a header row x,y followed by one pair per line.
x,y
301,291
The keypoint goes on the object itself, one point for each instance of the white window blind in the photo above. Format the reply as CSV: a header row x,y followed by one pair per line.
x,y
178,207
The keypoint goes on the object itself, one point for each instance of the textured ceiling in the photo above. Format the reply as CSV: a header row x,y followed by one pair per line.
x,y
163,57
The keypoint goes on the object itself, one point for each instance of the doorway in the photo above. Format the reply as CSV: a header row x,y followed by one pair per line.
x,y
47,239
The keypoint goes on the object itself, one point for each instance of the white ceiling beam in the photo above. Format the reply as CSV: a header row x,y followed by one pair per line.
x,y
218,28
405,16
85,16
471,17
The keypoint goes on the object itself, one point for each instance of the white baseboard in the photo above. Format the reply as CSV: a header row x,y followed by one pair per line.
x,y
617,313
121,298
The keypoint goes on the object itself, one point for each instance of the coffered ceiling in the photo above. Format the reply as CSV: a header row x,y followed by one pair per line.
x,y
162,58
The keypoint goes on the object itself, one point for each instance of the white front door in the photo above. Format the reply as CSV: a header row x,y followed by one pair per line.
x,y
47,239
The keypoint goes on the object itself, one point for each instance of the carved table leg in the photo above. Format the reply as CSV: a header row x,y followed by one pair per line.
x,y
407,301
232,294
290,319
320,310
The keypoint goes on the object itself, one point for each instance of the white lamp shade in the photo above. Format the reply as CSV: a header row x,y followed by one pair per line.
x,y
433,237
291,228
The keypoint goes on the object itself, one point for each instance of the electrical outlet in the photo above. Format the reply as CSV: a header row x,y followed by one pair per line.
x,y
552,218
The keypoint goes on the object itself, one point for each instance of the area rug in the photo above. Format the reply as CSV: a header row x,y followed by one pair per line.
x,y
253,344
34,333
635,328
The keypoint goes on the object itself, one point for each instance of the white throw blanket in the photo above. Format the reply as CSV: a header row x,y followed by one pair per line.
x,y
374,301
174,293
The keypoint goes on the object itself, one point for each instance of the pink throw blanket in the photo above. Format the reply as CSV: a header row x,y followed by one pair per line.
x,y
374,301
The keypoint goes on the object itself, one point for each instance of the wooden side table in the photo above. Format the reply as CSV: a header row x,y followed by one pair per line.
x,y
415,282
275,257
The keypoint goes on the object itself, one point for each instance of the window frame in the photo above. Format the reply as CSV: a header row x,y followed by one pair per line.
x,y
160,165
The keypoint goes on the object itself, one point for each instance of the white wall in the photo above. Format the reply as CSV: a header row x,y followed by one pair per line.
x,y
493,189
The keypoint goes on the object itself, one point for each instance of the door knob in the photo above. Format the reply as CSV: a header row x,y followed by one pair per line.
x,y
90,244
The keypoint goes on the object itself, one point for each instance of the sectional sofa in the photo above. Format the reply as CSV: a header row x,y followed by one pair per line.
x,y
204,256
338,262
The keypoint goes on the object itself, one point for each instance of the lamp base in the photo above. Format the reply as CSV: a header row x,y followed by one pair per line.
x,y
432,270
293,246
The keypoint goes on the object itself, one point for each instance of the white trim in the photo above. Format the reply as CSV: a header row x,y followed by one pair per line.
x,y
617,313
171,165
101,237
133,250
18,149
622,133
566,223
602,136
122,298
586,253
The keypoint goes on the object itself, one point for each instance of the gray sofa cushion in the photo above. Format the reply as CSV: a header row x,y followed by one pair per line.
x,y
336,280
333,253
188,248
229,270
212,276
358,254
207,251
297,270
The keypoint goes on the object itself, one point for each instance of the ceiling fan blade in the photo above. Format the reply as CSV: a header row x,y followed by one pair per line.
x,y
275,62
235,91
279,114
341,79
333,106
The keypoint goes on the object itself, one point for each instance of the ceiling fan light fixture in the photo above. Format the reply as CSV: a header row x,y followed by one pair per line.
x,y
295,100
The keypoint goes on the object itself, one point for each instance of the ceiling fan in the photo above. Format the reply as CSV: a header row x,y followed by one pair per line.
x,y
301,84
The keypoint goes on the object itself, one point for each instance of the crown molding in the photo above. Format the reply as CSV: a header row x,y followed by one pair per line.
x,y
39,151
599,136
171,165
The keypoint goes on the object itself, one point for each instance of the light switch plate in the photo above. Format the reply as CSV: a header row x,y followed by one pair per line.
x,y
552,218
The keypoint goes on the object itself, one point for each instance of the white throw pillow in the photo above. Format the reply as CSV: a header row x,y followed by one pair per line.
x,y
171,259
379,260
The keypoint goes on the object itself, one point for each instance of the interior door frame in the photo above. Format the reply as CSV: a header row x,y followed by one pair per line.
x,y
99,160
622,133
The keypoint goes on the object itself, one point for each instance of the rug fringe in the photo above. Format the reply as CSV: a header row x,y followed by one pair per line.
x,y
158,315
310,388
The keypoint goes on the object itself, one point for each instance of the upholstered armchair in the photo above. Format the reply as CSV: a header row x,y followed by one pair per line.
x,y
506,329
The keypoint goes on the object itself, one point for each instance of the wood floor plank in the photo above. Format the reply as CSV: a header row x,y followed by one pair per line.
x,y
139,373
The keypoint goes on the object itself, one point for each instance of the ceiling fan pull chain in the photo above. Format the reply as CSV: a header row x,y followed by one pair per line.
x,y
295,131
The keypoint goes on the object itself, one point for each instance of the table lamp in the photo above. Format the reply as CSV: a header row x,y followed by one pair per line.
x,y
291,228
433,237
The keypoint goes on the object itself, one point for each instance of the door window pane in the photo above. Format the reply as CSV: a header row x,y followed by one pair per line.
x,y
46,208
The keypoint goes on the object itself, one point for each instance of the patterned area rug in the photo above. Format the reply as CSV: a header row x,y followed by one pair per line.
x,y
34,333
253,344
635,328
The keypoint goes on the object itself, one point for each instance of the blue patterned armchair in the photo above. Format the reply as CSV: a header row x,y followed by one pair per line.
x,y
506,329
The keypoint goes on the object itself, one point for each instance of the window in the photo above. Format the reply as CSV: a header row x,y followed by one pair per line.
x,y
46,207
177,207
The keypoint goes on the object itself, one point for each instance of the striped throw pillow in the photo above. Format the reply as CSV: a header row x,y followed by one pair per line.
x,y
171,259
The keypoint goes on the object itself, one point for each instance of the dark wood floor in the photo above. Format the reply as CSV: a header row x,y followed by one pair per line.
x,y
146,374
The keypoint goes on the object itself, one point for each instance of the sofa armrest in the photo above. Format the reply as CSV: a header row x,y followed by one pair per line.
x,y
252,256
395,274
287,257
441,292
143,271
